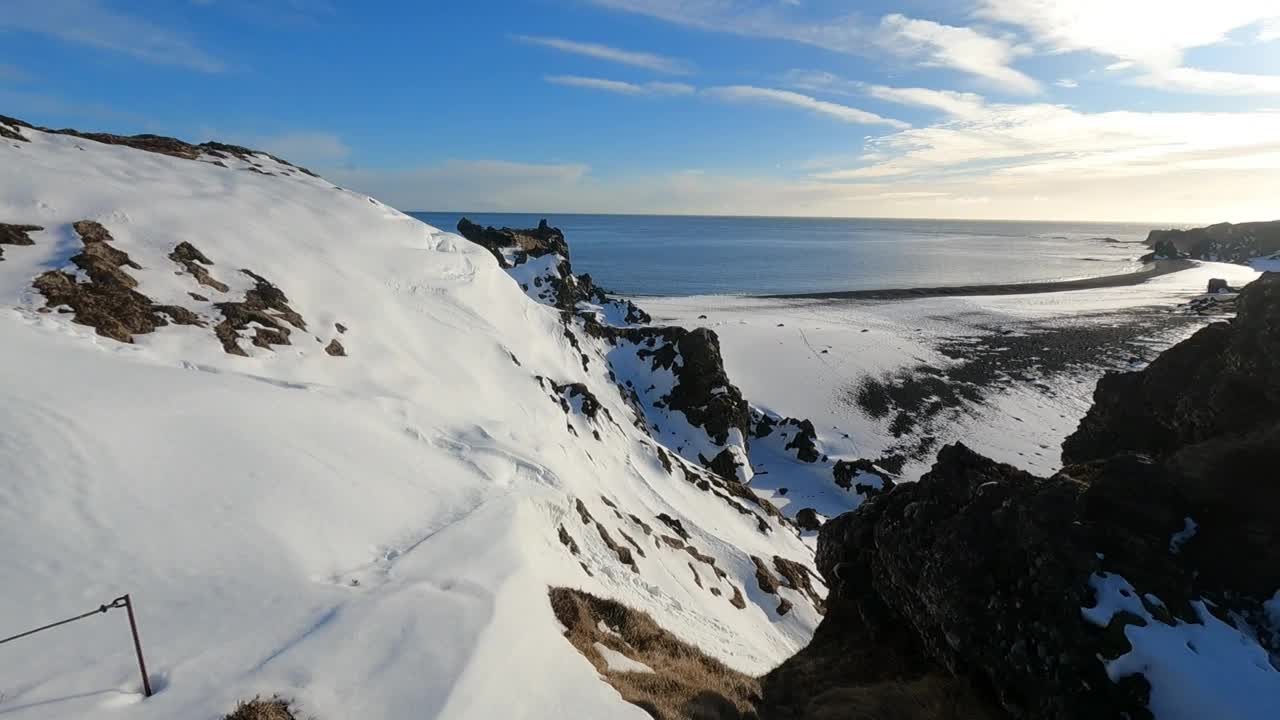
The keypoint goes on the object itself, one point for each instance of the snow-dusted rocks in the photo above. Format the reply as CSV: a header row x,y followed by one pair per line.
x,y
16,235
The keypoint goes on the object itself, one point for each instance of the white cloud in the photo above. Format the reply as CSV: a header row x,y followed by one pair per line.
x,y
1210,82
88,22
1067,83
620,87
1043,139
1151,32
958,104
648,61
958,48
786,97
924,42
305,147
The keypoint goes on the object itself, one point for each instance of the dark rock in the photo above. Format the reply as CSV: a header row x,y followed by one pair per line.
x,y
342,329
335,348
764,577
1224,242
1224,380
264,304
194,261
807,519
846,472
107,302
803,442
16,234
1217,285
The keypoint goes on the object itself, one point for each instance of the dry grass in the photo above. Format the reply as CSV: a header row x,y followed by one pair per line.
x,y
686,683
260,709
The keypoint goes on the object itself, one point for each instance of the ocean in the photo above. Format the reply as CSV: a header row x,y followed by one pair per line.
x,y
684,255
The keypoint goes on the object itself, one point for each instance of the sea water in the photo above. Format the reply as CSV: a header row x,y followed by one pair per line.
x,y
687,255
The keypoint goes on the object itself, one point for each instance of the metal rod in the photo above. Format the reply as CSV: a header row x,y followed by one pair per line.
x,y
50,626
137,646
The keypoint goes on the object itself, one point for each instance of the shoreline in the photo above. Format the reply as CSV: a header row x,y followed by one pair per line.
x,y
1161,267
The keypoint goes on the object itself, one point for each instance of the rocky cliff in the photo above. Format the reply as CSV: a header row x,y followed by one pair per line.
x,y
1224,242
1137,582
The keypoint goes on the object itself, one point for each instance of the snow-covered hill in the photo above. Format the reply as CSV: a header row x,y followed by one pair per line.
x,y
338,455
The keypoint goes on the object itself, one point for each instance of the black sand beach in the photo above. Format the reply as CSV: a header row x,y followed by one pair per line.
x,y
1162,267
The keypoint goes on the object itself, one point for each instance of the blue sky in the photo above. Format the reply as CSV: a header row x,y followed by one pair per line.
x,y
1036,109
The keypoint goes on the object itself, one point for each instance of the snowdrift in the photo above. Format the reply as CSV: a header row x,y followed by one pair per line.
x,y
334,454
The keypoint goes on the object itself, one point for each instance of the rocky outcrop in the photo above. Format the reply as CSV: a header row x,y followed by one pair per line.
x,y
11,128
538,258
1024,588
264,311
16,235
1224,380
106,299
1224,242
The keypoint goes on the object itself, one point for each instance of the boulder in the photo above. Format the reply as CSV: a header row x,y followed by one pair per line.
x,y
807,519
1217,285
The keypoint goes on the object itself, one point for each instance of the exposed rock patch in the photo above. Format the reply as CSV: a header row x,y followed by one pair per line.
x,y
194,261
107,300
16,234
335,348
264,311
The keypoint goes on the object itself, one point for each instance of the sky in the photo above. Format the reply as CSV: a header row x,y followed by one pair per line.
x,y
1132,110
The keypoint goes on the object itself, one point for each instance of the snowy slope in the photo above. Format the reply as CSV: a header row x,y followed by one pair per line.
x,y
372,534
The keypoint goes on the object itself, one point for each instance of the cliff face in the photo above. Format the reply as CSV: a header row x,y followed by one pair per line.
x,y
1224,242
1137,581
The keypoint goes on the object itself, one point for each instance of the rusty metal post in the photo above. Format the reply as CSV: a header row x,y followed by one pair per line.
x,y
137,647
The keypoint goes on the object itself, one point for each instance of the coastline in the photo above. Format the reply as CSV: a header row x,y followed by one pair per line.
x,y
1161,267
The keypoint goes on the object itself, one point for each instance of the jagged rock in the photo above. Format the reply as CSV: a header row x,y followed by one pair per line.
x,y
107,301
16,234
1224,242
514,247
335,348
1217,285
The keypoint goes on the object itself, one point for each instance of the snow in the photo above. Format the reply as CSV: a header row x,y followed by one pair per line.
x,y
1196,670
372,536
617,662
1181,537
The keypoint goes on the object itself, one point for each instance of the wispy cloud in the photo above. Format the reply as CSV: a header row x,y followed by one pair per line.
x,y
843,113
90,23
648,61
1210,82
950,102
1067,83
620,87
923,42
958,48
